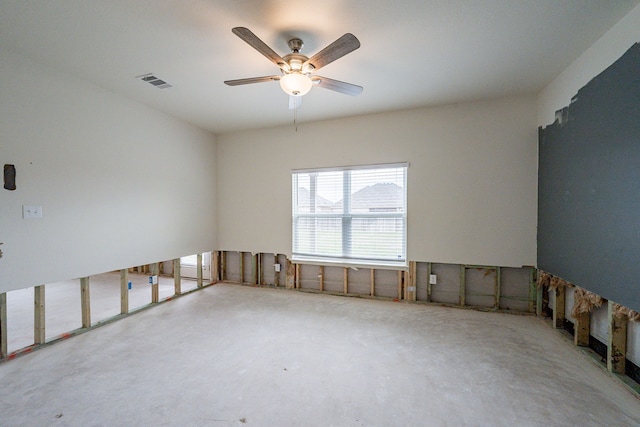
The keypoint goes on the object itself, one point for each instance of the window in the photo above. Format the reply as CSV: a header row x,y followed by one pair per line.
x,y
355,215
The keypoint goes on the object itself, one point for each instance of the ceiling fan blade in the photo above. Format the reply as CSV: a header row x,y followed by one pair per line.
x,y
250,80
337,85
339,48
253,40
294,102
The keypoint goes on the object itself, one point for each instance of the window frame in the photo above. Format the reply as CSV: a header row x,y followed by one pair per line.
x,y
347,218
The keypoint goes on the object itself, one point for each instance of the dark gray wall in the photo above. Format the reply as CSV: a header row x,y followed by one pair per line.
x,y
589,186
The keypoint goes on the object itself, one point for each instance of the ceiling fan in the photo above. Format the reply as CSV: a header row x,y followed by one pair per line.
x,y
297,78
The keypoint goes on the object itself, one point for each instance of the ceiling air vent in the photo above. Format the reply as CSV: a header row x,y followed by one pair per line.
x,y
153,80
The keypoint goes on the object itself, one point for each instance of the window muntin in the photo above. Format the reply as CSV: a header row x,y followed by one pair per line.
x,y
350,215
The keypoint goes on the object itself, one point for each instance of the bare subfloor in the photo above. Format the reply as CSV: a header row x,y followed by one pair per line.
x,y
233,355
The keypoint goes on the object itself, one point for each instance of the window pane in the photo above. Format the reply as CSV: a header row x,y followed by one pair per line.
x,y
350,215
378,238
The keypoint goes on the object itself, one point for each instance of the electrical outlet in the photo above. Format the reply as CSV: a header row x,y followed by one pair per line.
x,y
31,211
277,267
433,279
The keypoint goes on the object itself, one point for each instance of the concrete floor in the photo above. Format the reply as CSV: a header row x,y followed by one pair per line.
x,y
232,355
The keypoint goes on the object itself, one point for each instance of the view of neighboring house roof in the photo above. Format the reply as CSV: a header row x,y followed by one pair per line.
x,y
375,197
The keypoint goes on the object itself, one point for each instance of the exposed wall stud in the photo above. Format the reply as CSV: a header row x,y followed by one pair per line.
x,y
373,282
345,281
276,274
223,266
321,277
533,292
539,299
85,302
463,285
38,315
254,269
582,329
260,269
290,278
496,288
3,325
124,291
155,290
429,272
241,254
199,269
616,341
215,266
297,276
411,283
400,275
177,278
559,308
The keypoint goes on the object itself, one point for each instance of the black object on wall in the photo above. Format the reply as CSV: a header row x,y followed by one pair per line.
x,y
589,186
9,177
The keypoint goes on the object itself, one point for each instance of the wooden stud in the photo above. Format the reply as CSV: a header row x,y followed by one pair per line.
x,y
85,302
276,274
400,274
260,273
582,329
297,276
496,289
254,269
290,278
539,299
155,289
223,266
38,315
345,280
533,292
412,281
616,342
429,272
373,282
241,266
177,278
321,277
199,269
463,285
3,325
124,291
215,266
559,308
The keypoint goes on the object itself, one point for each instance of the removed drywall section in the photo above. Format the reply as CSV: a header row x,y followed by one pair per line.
x,y
589,193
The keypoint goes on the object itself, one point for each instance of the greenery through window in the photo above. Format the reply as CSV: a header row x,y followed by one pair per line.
x,y
355,215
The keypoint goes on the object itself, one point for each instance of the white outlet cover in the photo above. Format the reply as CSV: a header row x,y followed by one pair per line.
x,y
433,279
31,211
277,267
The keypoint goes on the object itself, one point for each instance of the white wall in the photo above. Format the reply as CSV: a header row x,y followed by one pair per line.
x,y
120,184
472,180
592,62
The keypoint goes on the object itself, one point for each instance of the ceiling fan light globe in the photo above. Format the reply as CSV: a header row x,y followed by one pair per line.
x,y
295,84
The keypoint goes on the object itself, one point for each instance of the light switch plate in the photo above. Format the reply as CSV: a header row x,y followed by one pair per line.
x,y
31,211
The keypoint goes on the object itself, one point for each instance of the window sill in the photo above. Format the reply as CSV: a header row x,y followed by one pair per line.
x,y
355,264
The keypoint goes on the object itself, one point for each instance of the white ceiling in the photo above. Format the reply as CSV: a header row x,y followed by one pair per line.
x,y
414,52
